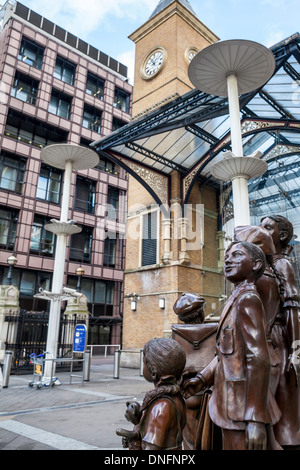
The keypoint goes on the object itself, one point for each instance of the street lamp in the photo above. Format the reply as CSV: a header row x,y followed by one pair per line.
x,y
67,157
229,69
12,261
80,273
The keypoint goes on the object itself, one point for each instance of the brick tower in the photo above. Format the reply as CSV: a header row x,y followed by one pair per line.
x,y
159,262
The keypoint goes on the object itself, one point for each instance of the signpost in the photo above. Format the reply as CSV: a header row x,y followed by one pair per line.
x,y
79,343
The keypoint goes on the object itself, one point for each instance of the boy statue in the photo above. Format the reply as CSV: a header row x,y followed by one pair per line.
x,y
241,403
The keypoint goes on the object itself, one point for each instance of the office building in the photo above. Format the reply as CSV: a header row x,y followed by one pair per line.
x,y
56,88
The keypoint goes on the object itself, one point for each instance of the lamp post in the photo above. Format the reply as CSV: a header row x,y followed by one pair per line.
x,y
80,273
12,261
65,157
229,69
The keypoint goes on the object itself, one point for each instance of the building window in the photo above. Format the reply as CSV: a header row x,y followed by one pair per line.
x,y
12,171
49,184
110,248
103,298
107,165
64,70
117,124
113,200
149,240
81,245
100,295
122,100
85,195
31,131
92,119
8,228
25,89
95,86
42,241
29,283
31,53
60,104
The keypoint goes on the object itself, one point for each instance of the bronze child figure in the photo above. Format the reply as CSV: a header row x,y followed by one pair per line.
x,y
241,403
198,339
286,334
162,413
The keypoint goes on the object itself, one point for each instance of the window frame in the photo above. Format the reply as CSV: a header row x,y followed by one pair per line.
x,y
88,233
48,192
17,125
40,251
145,247
20,168
56,107
35,48
94,286
13,220
19,81
111,191
64,64
91,191
99,86
94,123
122,100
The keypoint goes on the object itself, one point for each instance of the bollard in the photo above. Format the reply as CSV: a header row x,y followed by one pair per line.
x,y
117,363
87,366
7,368
141,363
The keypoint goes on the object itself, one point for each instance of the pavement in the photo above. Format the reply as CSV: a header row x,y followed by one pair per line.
x,y
71,416
81,416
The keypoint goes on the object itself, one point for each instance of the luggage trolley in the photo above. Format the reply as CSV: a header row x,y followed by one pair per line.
x,y
38,370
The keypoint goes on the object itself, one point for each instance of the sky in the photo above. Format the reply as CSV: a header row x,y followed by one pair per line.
x,y
106,24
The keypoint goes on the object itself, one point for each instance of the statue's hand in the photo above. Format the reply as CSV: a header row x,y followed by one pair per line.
x,y
256,436
191,387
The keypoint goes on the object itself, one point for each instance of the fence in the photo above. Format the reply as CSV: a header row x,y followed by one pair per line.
x,y
103,349
27,334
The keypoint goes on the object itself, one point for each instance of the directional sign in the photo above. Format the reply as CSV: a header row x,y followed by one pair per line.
x,y
79,339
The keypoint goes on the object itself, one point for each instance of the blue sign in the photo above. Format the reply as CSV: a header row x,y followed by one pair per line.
x,y
79,339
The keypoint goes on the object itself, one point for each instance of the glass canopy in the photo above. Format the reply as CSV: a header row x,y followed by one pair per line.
x,y
191,133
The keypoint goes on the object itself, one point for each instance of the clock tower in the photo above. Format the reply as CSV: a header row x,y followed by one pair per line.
x,y
165,45
158,266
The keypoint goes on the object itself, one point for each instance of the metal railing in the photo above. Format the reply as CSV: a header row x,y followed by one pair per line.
x,y
92,347
117,359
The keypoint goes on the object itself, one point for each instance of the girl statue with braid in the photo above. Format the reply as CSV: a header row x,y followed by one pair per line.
x,y
286,334
282,330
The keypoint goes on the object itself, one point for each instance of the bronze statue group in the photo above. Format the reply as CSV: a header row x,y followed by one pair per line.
x,y
230,385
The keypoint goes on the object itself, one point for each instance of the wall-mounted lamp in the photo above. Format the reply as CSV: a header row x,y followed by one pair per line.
x,y
133,300
80,273
11,261
161,303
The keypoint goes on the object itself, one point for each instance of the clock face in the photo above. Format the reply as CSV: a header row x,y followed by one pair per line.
x,y
154,63
192,55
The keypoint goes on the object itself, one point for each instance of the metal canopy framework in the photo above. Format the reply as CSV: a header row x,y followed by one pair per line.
x,y
191,133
